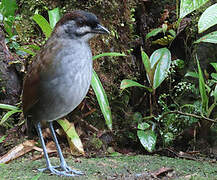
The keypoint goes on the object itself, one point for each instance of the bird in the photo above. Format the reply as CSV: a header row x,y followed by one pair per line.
x,y
59,77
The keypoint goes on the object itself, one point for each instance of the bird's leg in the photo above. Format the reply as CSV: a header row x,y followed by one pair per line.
x,y
49,166
63,164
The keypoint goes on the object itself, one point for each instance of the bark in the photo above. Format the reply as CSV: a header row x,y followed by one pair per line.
x,y
10,87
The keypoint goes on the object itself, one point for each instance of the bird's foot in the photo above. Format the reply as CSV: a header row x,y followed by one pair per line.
x,y
67,171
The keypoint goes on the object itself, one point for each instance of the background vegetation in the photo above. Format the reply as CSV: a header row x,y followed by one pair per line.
x,y
161,85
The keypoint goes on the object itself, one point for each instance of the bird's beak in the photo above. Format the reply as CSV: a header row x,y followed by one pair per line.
x,y
99,29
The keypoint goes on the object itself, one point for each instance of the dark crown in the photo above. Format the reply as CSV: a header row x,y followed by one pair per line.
x,y
81,18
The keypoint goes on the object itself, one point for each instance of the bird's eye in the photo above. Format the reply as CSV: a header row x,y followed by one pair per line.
x,y
80,22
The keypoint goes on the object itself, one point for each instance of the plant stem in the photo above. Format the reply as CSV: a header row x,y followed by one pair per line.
x,y
188,114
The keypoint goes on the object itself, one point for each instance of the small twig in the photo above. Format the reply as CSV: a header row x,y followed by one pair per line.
x,y
188,114
89,126
89,112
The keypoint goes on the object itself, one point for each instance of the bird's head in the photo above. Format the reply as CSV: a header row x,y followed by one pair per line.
x,y
79,24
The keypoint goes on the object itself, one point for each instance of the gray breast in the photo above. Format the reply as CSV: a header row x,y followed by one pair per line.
x,y
64,90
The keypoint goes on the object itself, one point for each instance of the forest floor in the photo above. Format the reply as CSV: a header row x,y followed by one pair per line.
x,y
120,167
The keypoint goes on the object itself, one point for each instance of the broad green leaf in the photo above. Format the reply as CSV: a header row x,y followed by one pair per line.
x,y
202,88
210,38
154,32
54,17
143,126
102,99
8,7
148,139
7,115
192,74
161,57
75,143
126,83
44,25
146,61
214,65
208,18
8,107
108,54
187,6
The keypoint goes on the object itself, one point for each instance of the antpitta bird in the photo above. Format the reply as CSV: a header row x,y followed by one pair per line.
x,y
59,77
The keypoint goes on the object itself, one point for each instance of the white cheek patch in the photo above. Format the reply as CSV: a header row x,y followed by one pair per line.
x,y
83,30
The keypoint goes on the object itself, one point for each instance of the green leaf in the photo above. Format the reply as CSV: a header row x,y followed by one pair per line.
x,y
179,63
8,7
172,32
2,138
202,88
8,23
54,17
214,93
74,140
126,83
28,51
192,74
43,24
108,54
164,41
187,6
8,107
214,65
146,61
102,99
148,139
214,76
210,38
7,115
161,57
143,126
208,18
32,46
154,32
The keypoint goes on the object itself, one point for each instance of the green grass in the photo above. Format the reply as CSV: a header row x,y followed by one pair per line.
x,y
109,167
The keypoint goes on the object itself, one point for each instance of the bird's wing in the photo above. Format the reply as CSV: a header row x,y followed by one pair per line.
x,y
31,83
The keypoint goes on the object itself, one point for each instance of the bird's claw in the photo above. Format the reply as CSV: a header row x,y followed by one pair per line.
x,y
67,171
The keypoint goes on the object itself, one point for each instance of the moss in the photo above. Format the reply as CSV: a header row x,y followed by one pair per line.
x,y
96,143
118,167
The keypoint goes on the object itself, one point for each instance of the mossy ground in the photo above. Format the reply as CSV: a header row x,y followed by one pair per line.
x,y
122,167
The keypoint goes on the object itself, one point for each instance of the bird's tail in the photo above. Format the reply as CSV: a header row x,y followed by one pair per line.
x,y
30,126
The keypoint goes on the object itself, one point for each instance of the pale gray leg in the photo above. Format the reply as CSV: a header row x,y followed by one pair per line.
x,y
49,167
63,164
